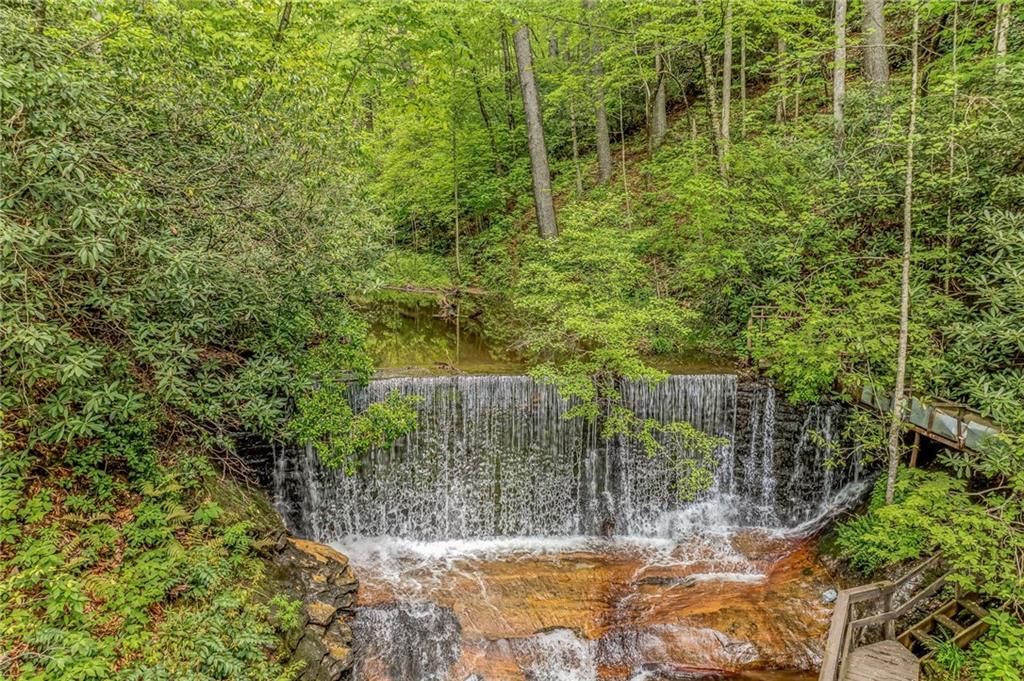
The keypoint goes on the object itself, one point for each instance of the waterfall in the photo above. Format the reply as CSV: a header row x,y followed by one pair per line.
x,y
418,641
494,456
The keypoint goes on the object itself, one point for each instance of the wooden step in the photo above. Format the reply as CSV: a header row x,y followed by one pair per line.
x,y
948,623
920,637
972,607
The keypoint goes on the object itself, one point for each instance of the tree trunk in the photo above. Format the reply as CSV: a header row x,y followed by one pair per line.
x,y
659,117
455,170
604,145
535,136
283,21
499,168
575,148
780,103
899,400
622,149
876,55
743,81
712,106
839,83
726,76
455,192
947,275
574,128
507,81
1002,31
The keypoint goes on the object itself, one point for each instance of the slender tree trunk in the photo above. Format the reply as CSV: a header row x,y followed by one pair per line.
x,y
952,155
508,78
455,192
659,118
575,148
780,103
839,83
726,77
876,55
622,149
649,95
899,399
710,98
283,21
455,171
743,81
603,143
535,136
499,168
1002,32
574,129
712,106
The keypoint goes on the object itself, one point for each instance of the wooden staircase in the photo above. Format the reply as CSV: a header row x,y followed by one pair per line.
x,y
850,653
961,620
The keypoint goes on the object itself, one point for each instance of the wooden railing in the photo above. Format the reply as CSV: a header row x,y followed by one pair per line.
x,y
952,424
845,627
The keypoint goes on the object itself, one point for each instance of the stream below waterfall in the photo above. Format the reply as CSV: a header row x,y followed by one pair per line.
x,y
501,542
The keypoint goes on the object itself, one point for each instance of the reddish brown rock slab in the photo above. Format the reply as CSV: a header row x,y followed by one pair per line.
x,y
690,609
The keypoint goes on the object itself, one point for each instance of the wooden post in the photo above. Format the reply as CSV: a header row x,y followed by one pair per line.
x,y
915,449
750,336
890,625
961,427
845,651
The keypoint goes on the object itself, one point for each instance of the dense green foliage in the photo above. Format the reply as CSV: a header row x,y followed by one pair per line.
x,y
178,236
980,533
202,203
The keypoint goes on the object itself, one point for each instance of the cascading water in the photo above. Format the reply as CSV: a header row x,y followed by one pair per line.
x,y
481,539
494,456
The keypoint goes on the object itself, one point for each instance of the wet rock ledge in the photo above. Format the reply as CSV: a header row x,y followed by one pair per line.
x,y
324,582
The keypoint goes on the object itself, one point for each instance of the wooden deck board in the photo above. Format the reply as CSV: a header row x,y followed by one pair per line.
x,y
883,661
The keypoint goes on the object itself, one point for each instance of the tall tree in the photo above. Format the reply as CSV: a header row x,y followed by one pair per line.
x,y
659,116
899,399
780,81
542,199
455,166
499,167
573,126
743,80
876,55
712,106
839,82
508,78
726,75
1002,31
603,143
575,148
711,99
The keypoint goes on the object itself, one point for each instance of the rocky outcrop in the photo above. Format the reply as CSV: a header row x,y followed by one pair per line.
x,y
324,582
709,608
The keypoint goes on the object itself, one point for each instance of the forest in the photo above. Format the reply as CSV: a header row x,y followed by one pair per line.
x,y
210,208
